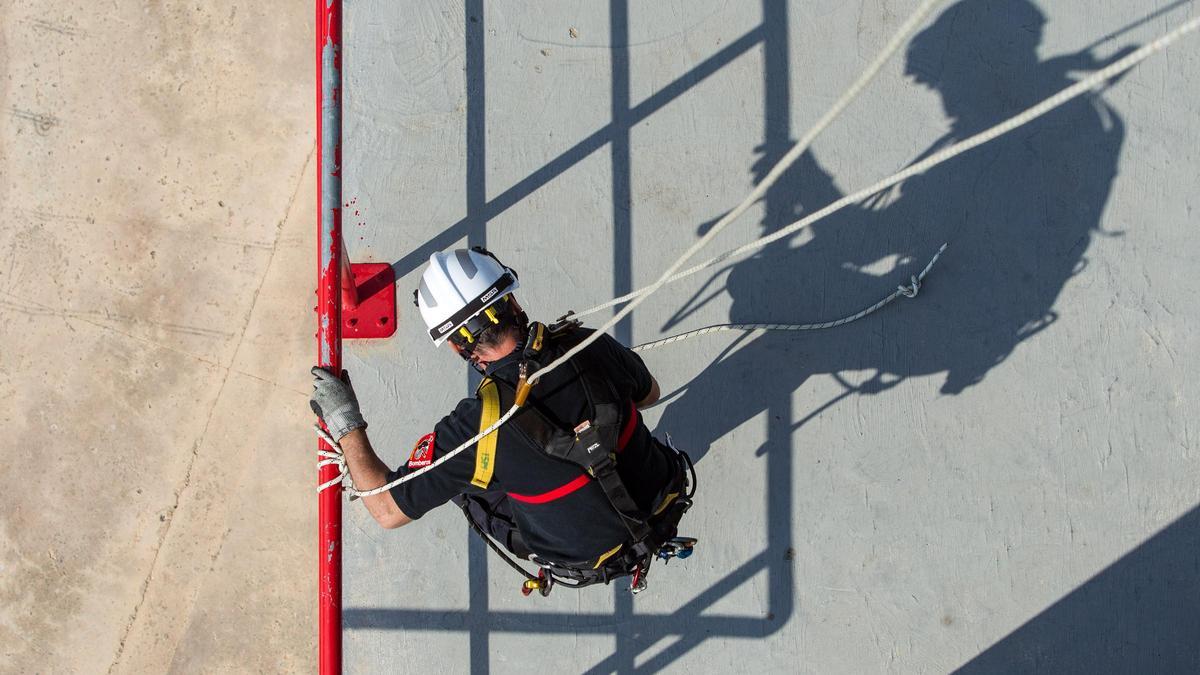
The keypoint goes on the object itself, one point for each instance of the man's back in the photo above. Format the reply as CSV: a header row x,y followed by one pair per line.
x,y
561,513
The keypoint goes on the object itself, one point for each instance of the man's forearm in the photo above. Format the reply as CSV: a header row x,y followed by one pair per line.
x,y
368,473
367,470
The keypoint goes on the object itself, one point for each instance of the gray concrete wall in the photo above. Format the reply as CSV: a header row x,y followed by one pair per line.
x,y
1000,473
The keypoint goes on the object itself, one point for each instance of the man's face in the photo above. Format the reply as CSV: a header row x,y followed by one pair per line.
x,y
481,357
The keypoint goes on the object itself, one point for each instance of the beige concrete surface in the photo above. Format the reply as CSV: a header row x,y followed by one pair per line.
x,y
156,210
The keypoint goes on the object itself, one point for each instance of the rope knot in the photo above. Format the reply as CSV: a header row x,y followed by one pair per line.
x,y
333,457
911,290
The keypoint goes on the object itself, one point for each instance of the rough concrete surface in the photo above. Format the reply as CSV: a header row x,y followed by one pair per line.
x,y
997,476
156,218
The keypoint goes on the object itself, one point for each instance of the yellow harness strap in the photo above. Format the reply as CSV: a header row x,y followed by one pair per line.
x,y
665,503
608,554
485,452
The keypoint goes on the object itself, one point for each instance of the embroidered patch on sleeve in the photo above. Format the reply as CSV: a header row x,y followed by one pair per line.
x,y
422,454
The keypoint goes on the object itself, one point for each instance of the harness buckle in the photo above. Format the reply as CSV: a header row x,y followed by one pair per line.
x,y
589,448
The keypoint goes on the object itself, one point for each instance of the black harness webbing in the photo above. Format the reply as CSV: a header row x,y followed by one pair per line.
x,y
592,445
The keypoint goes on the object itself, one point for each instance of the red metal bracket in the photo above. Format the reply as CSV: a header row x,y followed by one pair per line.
x,y
373,314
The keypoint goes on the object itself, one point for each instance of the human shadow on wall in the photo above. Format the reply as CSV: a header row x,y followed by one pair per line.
x,y
1018,213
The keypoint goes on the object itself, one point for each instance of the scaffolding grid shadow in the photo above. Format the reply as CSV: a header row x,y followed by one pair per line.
x,y
633,632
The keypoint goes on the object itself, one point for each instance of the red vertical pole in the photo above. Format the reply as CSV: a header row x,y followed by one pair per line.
x,y
329,317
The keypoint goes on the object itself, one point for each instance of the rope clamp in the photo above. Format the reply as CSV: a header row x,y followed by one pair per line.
x,y
523,386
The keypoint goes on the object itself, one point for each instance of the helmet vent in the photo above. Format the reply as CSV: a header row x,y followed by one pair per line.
x,y
465,262
426,295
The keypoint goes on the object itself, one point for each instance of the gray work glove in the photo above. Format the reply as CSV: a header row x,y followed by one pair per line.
x,y
333,400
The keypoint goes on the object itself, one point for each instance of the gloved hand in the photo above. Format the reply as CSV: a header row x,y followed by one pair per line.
x,y
333,400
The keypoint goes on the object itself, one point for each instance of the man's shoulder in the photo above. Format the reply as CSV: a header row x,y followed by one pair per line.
x,y
609,358
468,408
571,335
469,404
468,412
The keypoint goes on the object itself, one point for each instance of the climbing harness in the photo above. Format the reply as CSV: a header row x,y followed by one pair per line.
x,y
593,445
661,543
627,560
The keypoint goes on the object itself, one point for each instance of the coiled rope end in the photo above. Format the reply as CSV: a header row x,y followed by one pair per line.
x,y
911,290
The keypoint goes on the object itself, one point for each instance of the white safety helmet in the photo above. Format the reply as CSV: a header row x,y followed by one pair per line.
x,y
459,286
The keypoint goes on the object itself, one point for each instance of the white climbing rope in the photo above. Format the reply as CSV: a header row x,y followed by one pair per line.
x,y
333,457
908,291
1083,86
635,298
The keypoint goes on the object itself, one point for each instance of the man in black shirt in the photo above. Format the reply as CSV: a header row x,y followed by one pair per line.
x,y
509,483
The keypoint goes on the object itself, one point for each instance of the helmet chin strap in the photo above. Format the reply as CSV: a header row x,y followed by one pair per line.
x,y
519,317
